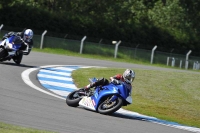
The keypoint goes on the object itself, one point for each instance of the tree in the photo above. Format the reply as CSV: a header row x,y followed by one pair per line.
x,y
5,3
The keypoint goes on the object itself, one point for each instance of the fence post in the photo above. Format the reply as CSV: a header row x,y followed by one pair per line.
x,y
1,27
167,61
100,41
173,61
180,63
116,49
196,65
152,53
81,47
186,61
42,39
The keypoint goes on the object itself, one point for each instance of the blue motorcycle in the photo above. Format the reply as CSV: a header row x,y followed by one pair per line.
x,y
10,49
103,99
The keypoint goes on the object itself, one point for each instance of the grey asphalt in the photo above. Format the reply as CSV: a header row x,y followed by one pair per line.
x,y
24,106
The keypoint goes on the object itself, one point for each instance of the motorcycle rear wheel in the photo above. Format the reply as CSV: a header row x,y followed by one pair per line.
x,y
73,99
2,53
106,107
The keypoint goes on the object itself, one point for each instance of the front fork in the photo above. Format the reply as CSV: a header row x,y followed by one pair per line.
x,y
113,98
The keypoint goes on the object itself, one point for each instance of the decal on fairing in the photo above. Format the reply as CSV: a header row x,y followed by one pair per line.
x,y
114,89
87,102
96,94
93,102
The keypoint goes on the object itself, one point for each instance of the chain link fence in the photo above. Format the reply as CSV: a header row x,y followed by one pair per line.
x,y
108,50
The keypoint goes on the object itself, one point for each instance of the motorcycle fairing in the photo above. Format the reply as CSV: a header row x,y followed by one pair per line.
x,y
99,93
15,41
2,43
93,101
124,92
117,90
88,103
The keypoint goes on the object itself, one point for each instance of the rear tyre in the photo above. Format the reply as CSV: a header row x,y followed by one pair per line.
x,y
73,98
3,54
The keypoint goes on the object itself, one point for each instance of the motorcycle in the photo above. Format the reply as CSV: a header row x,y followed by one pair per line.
x,y
103,99
10,49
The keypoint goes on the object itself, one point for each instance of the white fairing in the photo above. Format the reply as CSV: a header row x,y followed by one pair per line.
x,y
87,102
2,43
129,99
6,45
25,51
9,45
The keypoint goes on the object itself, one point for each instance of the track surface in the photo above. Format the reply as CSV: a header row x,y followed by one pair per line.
x,y
24,106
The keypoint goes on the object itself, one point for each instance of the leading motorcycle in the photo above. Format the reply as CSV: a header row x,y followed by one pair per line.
x,y
10,49
103,99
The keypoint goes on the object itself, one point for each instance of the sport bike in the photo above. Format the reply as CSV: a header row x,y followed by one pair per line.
x,y
10,49
103,99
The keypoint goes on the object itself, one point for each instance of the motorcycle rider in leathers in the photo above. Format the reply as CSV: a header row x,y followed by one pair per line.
x,y
26,37
127,77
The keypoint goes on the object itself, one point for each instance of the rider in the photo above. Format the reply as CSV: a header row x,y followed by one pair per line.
x,y
127,77
26,38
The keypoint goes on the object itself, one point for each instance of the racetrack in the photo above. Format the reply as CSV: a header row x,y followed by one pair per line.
x,y
22,105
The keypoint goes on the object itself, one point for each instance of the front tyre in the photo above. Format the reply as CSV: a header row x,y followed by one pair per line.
x,y
17,59
108,107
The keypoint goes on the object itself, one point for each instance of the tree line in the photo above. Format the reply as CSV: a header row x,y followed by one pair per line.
x,y
169,24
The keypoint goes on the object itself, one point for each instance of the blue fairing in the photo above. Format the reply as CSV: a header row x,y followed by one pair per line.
x,y
16,41
10,39
110,89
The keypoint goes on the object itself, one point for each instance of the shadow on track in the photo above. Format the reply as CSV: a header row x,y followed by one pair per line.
x,y
119,115
14,64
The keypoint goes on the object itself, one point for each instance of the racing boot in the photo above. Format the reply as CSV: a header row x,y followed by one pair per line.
x,y
87,88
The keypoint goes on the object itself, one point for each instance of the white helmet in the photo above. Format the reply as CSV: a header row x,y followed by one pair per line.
x,y
28,35
129,76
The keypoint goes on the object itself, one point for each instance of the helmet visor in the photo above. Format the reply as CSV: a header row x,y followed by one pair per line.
x,y
27,38
130,78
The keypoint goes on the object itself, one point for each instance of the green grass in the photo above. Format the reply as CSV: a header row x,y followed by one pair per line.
x,y
110,58
173,96
7,128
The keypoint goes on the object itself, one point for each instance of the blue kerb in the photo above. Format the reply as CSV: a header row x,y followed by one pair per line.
x,y
53,74
51,87
55,80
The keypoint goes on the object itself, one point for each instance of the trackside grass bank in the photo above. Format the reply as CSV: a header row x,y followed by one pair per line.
x,y
168,95
173,96
7,128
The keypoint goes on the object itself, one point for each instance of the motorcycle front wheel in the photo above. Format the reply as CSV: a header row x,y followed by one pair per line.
x,y
108,107
17,59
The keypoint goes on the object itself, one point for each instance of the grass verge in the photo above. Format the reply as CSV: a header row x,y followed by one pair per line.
x,y
172,96
7,128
